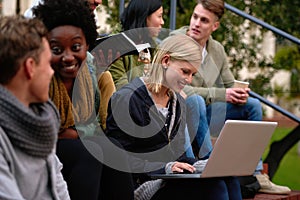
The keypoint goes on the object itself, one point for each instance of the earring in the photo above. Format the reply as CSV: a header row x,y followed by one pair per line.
x,y
165,67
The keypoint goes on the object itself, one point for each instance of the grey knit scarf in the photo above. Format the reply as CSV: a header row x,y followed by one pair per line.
x,y
34,129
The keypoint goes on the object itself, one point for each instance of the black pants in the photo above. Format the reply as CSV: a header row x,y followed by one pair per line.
x,y
226,188
86,176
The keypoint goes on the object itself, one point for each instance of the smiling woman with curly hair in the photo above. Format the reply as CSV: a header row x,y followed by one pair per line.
x,y
74,90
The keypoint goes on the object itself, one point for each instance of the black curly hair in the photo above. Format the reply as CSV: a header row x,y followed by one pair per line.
x,y
54,13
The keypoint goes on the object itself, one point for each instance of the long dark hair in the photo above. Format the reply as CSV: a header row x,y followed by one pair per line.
x,y
135,16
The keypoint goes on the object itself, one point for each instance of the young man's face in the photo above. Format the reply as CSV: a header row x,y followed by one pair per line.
x,y
202,24
42,76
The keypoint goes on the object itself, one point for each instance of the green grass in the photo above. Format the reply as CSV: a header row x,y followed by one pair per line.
x,y
288,172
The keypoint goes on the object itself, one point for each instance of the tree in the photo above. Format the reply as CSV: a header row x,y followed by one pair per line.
x,y
281,14
288,58
112,9
284,16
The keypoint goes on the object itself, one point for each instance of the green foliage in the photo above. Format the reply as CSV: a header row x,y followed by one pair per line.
x,y
1,7
288,58
282,14
288,172
112,9
184,11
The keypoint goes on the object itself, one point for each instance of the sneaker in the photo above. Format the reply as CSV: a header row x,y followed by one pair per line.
x,y
270,188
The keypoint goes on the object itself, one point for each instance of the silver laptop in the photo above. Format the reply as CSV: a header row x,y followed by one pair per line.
x,y
237,150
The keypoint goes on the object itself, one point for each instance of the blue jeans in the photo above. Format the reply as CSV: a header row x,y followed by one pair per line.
x,y
219,112
187,145
197,126
213,116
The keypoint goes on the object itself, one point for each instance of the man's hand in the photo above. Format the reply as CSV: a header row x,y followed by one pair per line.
x,y
237,95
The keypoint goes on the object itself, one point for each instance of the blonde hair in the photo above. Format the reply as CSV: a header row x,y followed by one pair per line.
x,y
179,47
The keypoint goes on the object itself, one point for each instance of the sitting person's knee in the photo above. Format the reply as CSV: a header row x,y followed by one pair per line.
x,y
195,100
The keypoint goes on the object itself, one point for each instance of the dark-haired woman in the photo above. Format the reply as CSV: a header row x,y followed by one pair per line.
x,y
141,21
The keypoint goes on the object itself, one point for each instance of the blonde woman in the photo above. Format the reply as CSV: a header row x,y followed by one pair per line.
x,y
148,117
